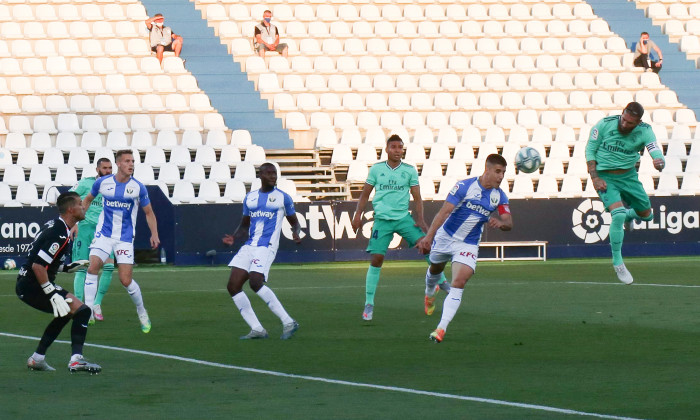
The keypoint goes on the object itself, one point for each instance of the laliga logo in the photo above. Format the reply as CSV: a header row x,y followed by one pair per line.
x,y
591,222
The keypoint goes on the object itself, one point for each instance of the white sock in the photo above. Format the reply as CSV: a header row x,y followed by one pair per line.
x,y
268,296
450,306
90,289
431,280
243,305
38,357
75,357
135,292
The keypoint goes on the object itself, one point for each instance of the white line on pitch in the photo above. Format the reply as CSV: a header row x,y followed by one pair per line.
x,y
692,286
341,382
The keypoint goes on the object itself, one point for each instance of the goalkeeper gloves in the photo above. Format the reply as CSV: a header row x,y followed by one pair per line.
x,y
59,304
75,266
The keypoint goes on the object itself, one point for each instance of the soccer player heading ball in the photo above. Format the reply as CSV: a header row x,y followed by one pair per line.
x,y
456,232
611,154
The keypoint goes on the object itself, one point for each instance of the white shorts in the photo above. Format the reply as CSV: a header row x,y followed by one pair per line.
x,y
446,248
102,247
254,258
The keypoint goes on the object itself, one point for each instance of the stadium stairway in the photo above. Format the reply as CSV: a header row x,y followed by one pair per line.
x,y
228,88
678,72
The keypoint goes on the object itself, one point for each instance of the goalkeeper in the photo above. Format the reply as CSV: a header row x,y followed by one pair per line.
x,y
85,234
611,154
35,286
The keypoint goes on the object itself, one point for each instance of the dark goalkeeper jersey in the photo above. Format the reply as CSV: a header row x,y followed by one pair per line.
x,y
50,248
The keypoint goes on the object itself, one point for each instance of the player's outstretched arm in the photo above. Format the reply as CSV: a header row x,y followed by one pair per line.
x,y
87,200
418,208
296,228
152,225
361,204
426,242
240,232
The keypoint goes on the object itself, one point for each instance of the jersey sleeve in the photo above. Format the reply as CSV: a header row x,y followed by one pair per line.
x,y
414,176
50,247
456,194
144,200
504,206
593,142
652,146
246,210
288,205
372,176
96,187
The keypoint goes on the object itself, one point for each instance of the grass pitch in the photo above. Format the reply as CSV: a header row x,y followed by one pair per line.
x,y
563,334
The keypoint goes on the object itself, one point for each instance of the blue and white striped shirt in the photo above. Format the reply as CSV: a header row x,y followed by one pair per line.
x,y
473,207
267,211
121,204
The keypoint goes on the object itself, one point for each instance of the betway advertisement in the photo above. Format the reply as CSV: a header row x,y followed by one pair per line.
x,y
572,227
576,227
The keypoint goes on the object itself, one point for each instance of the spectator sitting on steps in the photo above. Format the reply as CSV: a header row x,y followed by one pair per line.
x,y
267,37
162,37
641,54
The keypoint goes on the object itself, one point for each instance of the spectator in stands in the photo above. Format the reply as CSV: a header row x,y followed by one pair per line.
x,y
162,37
641,54
267,37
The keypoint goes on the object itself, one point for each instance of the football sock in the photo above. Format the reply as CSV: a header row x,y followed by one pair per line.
x,y
243,304
135,293
269,297
371,284
617,234
78,330
630,214
38,357
90,289
79,284
51,332
105,281
450,306
431,280
442,275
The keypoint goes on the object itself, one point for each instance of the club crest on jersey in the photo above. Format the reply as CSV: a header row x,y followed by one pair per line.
x,y
53,248
495,198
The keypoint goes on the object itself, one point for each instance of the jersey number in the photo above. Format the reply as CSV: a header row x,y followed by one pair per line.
x,y
375,234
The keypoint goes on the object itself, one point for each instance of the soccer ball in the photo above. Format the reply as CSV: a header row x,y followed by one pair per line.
x,y
10,264
528,160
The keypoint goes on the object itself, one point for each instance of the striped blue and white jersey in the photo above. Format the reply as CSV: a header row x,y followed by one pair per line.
x,y
474,205
121,205
267,211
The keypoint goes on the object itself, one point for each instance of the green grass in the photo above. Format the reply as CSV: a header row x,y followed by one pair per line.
x,y
524,333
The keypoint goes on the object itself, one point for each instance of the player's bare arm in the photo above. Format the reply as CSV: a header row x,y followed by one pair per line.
x,y
418,208
152,225
296,228
426,242
598,183
503,222
240,232
87,200
361,203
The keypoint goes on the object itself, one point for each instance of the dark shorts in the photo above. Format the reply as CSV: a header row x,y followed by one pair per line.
x,y
29,291
168,47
